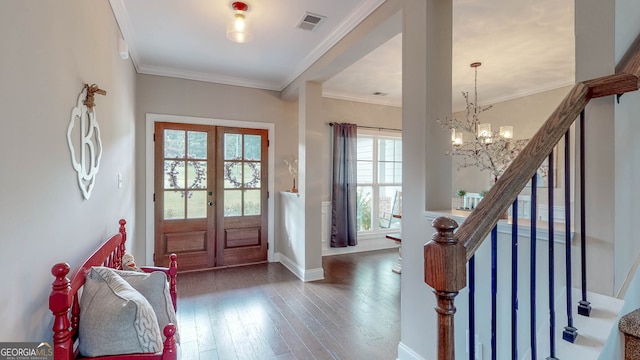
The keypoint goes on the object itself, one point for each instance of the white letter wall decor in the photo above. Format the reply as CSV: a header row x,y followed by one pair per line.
x,y
86,162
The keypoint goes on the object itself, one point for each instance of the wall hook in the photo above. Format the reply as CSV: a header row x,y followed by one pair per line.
x,y
91,90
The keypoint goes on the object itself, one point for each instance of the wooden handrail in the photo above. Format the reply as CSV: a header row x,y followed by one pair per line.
x,y
480,221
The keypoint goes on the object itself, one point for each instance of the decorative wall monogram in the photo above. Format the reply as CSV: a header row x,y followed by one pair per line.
x,y
87,137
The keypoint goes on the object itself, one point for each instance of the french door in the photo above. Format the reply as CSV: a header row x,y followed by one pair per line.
x,y
210,195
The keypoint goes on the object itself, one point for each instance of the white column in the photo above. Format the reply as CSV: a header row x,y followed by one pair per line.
x,y
627,151
594,22
426,88
310,129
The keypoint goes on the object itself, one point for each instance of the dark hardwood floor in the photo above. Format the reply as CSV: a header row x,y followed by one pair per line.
x,y
261,312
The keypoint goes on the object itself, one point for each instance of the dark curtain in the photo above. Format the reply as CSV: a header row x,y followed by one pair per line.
x,y
343,195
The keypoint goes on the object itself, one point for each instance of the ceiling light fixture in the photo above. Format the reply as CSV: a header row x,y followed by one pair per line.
x,y
238,28
482,148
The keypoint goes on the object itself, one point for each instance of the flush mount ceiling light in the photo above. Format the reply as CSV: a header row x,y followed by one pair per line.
x,y
238,28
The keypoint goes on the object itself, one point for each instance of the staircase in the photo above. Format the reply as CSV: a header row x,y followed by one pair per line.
x,y
450,258
594,331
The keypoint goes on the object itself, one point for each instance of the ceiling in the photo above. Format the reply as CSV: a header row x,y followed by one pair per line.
x,y
526,46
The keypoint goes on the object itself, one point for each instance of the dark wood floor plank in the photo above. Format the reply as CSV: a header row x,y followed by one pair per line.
x,y
224,342
289,334
328,312
260,310
208,355
264,312
189,350
187,324
308,338
313,321
287,356
204,332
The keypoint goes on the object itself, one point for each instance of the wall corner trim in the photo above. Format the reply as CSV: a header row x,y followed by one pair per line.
x,y
302,274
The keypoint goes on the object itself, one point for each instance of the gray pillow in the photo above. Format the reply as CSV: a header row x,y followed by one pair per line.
x,y
115,318
155,288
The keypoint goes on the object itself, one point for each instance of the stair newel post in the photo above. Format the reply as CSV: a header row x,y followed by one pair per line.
x,y
445,271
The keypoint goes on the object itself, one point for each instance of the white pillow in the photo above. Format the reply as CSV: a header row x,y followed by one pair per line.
x,y
155,288
115,318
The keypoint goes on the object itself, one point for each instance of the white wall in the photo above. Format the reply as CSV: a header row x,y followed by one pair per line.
x,y
426,173
604,32
50,49
171,96
310,128
292,248
594,21
614,347
627,150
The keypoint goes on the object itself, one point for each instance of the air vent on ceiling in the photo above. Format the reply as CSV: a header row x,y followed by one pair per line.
x,y
310,21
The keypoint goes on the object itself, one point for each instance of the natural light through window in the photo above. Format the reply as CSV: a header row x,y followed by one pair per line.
x,y
379,180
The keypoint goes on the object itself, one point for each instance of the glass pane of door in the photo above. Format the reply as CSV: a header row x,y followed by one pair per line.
x,y
242,174
185,178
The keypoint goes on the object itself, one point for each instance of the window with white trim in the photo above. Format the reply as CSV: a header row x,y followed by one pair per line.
x,y
379,180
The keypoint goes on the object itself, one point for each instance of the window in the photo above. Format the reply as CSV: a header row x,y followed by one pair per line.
x,y
379,180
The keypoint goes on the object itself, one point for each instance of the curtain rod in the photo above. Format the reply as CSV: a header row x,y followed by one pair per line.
x,y
373,127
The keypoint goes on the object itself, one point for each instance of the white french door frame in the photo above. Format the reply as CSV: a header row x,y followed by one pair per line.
x,y
151,119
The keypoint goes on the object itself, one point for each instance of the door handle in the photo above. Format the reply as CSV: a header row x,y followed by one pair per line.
x,y
210,203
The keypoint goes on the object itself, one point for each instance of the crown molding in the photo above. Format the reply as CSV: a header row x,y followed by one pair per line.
x,y
126,29
367,99
207,77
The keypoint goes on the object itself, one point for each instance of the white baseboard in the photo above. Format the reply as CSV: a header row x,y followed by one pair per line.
x,y
302,274
366,241
378,243
405,353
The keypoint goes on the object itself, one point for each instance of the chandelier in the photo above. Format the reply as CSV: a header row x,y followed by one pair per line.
x,y
475,144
